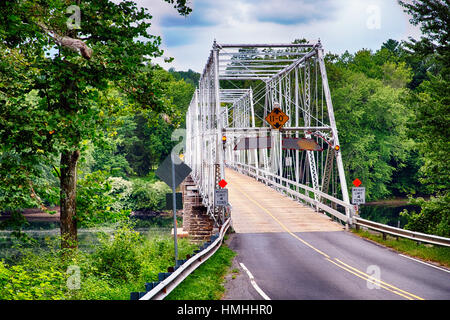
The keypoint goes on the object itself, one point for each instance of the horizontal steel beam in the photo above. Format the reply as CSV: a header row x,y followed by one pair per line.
x,y
243,78
269,128
258,60
257,53
248,72
304,128
249,66
268,45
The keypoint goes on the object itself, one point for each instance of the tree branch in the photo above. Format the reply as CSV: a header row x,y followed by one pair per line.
x,y
57,172
68,42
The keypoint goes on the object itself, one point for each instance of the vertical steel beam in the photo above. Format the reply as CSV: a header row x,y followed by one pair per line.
x,y
218,121
252,110
307,118
338,155
297,153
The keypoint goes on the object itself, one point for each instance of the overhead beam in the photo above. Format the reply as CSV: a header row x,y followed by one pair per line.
x,y
268,45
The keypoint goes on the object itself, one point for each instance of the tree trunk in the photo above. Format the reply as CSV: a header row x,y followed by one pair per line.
x,y
68,179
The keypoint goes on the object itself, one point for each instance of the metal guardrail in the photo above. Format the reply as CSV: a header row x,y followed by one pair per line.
x,y
413,235
171,280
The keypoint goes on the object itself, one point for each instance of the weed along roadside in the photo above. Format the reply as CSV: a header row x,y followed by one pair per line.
x,y
427,252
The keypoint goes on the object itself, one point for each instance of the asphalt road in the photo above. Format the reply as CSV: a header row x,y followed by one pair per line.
x,y
278,260
285,268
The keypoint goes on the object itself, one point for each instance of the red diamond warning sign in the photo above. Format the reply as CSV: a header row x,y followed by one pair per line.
x,y
357,182
222,183
277,118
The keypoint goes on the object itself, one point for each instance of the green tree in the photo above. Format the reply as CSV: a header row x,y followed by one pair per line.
x,y
68,69
372,122
146,141
431,105
433,18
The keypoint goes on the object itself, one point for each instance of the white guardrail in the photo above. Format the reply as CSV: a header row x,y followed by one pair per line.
x,y
413,235
163,288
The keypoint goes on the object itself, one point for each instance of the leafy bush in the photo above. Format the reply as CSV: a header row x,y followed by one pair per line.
x,y
434,217
119,256
20,283
148,195
121,190
96,201
33,277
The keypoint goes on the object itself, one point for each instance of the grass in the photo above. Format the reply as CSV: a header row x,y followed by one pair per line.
x,y
425,252
206,282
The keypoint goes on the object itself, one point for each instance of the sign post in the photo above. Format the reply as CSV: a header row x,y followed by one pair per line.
x,y
358,194
173,172
174,206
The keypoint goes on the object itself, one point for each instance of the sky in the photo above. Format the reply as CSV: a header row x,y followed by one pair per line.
x,y
339,24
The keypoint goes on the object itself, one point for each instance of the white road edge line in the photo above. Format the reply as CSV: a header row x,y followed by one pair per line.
x,y
428,264
254,284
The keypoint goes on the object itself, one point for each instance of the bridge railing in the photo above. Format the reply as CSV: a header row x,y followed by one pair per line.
x,y
293,188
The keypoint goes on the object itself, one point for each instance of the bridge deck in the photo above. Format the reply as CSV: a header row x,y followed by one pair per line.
x,y
257,208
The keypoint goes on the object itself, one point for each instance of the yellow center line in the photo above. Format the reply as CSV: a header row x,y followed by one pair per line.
x,y
341,264
280,223
380,281
376,282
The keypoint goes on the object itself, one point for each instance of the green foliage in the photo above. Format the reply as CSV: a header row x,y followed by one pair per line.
x,y
434,217
107,158
121,190
148,195
372,118
433,19
20,283
55,95
119,257
189,76
432,115
96,201
123,262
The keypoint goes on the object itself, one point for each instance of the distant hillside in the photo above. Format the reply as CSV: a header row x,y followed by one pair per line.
x,y
189,76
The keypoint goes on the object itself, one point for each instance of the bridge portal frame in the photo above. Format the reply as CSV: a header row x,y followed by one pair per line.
x,y
287,74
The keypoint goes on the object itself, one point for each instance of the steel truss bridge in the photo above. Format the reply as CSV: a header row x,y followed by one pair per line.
x,y
239,86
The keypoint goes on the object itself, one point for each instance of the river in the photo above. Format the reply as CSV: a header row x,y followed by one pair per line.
x,y
387,212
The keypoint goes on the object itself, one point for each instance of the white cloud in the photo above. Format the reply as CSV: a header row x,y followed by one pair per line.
x,y
341,25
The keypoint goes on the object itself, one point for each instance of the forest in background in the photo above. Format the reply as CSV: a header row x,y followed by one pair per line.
x,y
391,107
